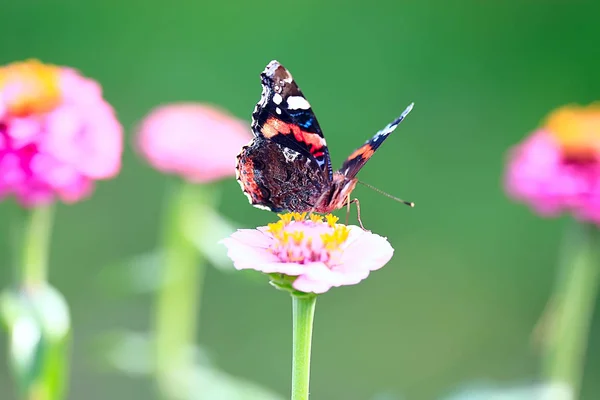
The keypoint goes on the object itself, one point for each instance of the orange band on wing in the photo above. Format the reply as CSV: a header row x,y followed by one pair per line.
x,y
366,151
273,127
313,141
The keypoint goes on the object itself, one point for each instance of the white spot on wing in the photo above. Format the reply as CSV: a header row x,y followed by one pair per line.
x,y
243,188
277,99
271,67
392,126
259,206
278,110
260,105
384,132
250,200
297,102
263,97
289,154
408,109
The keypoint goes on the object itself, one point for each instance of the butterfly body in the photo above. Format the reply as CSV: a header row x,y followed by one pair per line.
x,y
286,166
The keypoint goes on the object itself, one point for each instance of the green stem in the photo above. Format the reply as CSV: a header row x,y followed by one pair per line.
x,y
303,314
178,299
575,296
36,244
42,375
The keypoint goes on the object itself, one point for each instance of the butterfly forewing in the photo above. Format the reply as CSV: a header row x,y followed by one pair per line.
x,y
285,116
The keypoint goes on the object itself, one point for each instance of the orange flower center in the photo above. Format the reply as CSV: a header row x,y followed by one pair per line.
x,y
29,87
577,130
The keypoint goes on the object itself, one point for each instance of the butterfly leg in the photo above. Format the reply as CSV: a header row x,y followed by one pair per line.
x,y
358,213
348,202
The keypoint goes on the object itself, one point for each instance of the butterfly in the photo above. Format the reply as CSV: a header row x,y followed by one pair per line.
x,y
286,166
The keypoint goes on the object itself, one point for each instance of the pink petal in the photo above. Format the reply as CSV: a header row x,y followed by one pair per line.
x,y
246,256
307,285
196,141
287,268
318,271
23,131
365,251
253,237
11,173
76,190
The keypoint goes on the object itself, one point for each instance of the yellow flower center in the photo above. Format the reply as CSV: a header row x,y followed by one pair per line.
x,y
30,87
577,130
298,239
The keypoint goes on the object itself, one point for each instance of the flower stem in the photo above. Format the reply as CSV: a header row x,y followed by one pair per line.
x,y
303,308
178,300
36,243
575,296
40,352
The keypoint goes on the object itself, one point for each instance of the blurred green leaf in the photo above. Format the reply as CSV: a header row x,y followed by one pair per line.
x,y
207,240
541,391
387,396
142,273
211,383
38,323
132,353
138,274
126,351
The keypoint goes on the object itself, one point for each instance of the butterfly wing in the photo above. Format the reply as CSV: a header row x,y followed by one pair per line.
x,y
284,116
360,156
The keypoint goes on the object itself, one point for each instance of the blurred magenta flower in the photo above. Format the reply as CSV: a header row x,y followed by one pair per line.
x,y
196,141
57,134
557,168
314,254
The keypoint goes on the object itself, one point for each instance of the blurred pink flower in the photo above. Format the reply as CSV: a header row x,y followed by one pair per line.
x,y
57,134
196,141
315,255
557,168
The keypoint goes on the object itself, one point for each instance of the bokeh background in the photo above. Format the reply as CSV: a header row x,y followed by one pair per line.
x,y
472,272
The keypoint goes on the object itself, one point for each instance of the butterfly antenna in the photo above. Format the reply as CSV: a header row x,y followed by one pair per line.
x,y
408,203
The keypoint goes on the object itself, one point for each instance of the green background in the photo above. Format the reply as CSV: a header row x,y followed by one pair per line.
x,y
472,270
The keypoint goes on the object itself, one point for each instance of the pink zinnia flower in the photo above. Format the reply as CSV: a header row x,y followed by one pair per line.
x,y
557,168
196,141
312,255
57,134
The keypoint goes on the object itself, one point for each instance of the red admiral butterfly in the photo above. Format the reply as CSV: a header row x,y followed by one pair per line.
x,y
286,166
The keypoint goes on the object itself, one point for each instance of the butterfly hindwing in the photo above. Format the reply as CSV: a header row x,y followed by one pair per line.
x,y
284,116
360,156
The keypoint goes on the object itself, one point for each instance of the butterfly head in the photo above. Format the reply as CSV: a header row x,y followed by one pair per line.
x,y
338,194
